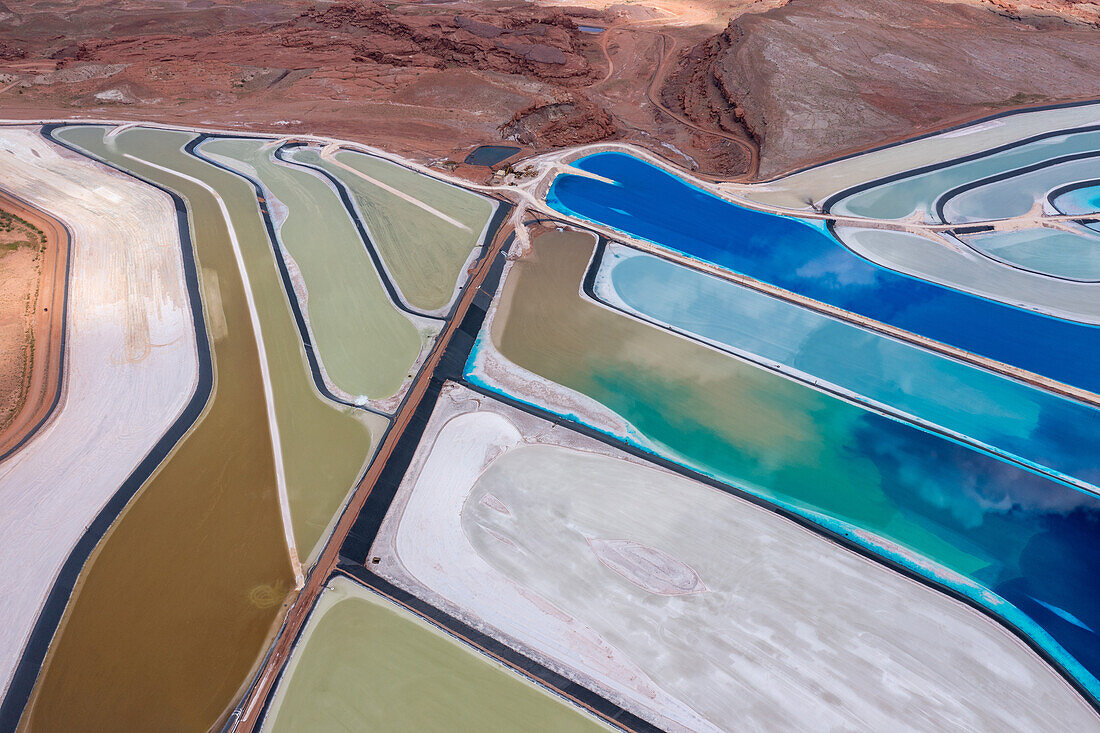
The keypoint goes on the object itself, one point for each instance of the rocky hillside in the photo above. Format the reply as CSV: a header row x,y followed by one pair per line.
x,y
817,78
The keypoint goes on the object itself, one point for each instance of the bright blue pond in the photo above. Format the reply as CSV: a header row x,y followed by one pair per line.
x,y
1032,425
1085,200
651,204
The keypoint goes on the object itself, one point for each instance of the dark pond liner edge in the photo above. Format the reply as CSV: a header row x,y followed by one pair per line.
x,y
64,331
32,657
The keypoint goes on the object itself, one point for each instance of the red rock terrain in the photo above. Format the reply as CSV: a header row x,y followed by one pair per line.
x,y
703,83
815,79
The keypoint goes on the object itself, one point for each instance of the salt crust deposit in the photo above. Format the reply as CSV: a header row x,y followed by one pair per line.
x,y
131,366
949,262
782,629
421,527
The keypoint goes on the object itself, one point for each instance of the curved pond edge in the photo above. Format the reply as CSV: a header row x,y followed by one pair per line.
x,y
62,341
308,347
828,387
49,618
893,557
939,131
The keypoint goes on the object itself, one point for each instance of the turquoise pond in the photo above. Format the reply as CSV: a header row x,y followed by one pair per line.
x,y
1074,256
1030,425
1081,200
646,202
1013,541
1014,193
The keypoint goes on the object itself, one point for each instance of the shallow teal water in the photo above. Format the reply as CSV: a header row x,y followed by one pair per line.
x,y
899,198
1050,251
1015,541
649,203
1027,423
1016,195
1084,200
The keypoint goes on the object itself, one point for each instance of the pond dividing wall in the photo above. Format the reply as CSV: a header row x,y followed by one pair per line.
x,y
1017,543
1059,435
177,602
646,202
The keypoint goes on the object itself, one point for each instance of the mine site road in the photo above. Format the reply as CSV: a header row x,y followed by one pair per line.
x,y
668,46
548,165
530,195
252,705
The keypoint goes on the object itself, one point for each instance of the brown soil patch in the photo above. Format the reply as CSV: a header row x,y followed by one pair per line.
x,y
810,81
702,83
429,80
33,267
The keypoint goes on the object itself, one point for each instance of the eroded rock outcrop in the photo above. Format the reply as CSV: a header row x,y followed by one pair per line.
x,y
542,44
812,80
575,121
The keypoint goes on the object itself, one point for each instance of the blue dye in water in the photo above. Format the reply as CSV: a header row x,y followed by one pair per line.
x,y
1084,200
1035,426
651,204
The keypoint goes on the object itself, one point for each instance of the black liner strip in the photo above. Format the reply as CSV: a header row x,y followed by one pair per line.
x,y
284,273
826,207
356,548
419,420
821,531
354,551
376,258
1091,183
34,653
485,644
817,529
851,191
975,229
64,334
940,131
944,198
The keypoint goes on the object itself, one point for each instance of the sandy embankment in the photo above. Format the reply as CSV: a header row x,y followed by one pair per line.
x,y
131,366
32,314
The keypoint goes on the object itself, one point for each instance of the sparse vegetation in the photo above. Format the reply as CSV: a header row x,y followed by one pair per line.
x,y
16,232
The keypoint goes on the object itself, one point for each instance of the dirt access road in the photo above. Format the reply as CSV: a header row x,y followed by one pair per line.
x,y
36,338
253,703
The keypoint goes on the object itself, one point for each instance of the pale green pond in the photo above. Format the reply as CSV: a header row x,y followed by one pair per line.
x,y
364,663
425,253
1051,251
366,345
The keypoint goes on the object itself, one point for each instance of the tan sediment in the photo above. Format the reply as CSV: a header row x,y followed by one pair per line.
x,y
127,297
43,326
265,371
182,594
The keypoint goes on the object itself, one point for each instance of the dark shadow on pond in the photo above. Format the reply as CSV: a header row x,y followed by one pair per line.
x,y
490,154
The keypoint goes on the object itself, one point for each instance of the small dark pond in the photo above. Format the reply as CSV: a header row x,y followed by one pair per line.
x,y
490,154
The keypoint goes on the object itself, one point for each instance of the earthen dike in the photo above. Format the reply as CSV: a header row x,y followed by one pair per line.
x,y
44,352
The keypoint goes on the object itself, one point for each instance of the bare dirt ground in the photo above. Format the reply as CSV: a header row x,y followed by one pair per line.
x,y
703,83
813,80
33,254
